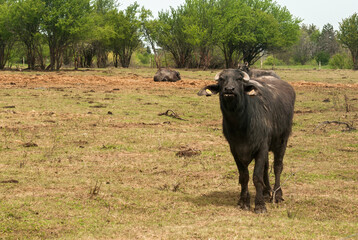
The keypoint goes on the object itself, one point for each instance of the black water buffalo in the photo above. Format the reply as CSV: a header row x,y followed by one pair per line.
x,y
257,118
256,73
166,75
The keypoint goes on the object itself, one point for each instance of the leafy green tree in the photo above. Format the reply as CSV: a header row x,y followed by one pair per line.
x,y
127,33
273,28
7,38
64,23
170,35
199,28
252,27
326,44
26,22
100,33
348,36
306,47
229,27
341,61
327,41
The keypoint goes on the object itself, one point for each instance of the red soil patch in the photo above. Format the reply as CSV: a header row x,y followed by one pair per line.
x,y
89,81
128,81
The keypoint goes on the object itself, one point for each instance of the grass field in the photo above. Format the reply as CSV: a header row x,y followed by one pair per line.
x,y
85,155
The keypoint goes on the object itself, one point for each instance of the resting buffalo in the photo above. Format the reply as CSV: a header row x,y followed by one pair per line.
x,y
257,118
166,75
256,73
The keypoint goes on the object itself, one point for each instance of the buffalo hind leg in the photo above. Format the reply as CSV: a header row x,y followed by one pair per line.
x,y
267,189
278,167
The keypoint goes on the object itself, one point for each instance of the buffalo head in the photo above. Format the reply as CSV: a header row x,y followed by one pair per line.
x,y
166,75
232,85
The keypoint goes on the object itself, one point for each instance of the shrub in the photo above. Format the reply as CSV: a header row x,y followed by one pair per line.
x,y
272,61
322,57
341,61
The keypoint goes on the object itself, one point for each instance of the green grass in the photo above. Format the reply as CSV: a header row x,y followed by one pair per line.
x,y
116,176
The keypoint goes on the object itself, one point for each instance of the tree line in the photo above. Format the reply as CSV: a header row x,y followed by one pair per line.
x,y
198,34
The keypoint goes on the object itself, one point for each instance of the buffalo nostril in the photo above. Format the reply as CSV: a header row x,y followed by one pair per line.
x,y
228,89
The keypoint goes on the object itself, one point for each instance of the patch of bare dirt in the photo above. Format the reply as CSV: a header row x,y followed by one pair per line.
x,y
113,83
323,85
59,81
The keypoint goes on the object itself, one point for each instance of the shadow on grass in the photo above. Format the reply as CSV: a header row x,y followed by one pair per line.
x,y
217,198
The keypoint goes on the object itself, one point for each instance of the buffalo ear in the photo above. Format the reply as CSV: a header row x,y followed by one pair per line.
x,y
251,90
209,90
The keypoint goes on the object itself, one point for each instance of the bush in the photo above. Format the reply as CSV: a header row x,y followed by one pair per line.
x,y
322,57
272,61
341,61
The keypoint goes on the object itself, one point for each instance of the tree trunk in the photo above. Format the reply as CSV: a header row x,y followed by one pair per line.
x,y
355,59
31,59
2,56
52,57
125,60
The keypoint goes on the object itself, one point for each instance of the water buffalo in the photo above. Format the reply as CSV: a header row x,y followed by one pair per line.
x,y
257,118
256,73
166,75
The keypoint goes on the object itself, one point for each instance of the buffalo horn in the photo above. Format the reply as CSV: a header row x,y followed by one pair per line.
x,y
246,77
217,76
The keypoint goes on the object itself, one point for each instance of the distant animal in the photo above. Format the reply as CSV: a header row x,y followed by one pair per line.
x,y
257,118
166,75
256,73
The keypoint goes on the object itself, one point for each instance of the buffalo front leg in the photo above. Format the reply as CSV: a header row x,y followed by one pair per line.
x,y
244,201
258,178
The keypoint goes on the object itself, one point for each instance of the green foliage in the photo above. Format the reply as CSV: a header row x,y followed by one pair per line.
x,y
64,23
273,61
26,25
341,61
322,57
7,38
126,36
348,36
199,27
304,50
172,37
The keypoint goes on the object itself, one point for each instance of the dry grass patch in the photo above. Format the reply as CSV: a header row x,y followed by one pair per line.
x,y
86,155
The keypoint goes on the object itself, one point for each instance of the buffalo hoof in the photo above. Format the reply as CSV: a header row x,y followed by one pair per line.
x,y
244,202
260,209
267,197
277,196
244,207
279,199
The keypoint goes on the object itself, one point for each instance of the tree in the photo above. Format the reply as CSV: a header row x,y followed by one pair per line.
x,y
7,38
306,47
172,37
26,22
326,44
251,27
101,32
229,27
327,40
127,35
273,28
199,28
64,22
149,27
348,36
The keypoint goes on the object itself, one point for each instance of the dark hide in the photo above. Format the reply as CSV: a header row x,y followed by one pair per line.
x,y
256,73
166,75
257,118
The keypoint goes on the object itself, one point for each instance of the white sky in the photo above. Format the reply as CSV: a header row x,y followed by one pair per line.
x,y
318,12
